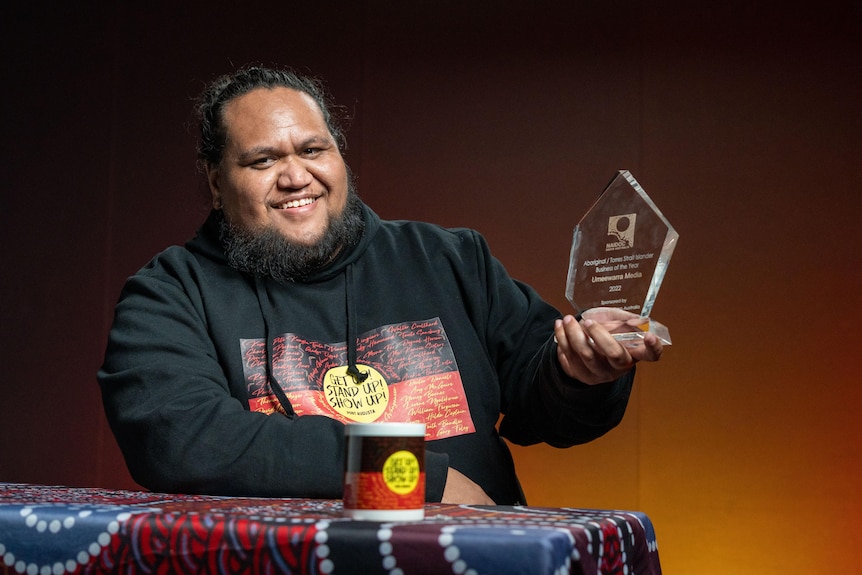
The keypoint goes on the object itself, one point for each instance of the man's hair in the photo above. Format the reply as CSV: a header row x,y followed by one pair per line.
x,y
214,98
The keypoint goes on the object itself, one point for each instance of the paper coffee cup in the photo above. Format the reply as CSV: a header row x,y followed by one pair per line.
x,y
384,471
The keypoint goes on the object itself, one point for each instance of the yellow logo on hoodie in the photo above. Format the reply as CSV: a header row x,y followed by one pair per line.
x,y
363,402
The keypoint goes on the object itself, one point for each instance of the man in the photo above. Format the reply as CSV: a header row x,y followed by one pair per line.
x,y
235,361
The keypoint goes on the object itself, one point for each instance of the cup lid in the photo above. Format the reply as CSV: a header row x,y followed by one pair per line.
x,y
387,429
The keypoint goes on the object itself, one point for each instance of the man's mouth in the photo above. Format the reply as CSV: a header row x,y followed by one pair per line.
x,y
294,203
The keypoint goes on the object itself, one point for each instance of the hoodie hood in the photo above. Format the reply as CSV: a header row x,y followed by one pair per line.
x,y
211,247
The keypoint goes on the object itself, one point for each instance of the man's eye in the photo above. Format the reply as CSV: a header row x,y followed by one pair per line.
x,y
261,162
311,151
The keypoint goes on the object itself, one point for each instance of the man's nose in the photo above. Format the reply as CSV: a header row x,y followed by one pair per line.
x,y
294,174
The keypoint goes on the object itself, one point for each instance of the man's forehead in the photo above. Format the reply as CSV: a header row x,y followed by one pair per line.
x,y
273,108
278,100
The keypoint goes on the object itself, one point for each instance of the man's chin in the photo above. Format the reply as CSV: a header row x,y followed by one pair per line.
x,y
306,236
301,242
289,254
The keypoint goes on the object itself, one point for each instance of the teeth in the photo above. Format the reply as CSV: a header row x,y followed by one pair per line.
x,y
296,203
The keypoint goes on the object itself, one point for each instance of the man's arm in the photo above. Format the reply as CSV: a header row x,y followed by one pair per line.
x,y
169,404
561,411
460,489
562,394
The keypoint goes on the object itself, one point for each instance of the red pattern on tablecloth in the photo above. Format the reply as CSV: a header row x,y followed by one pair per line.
x,y
92,531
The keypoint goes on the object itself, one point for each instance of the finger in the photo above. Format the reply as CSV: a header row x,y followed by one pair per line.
x,y
609,315
574,351
651,350
563,347
560,335
580,343
614,353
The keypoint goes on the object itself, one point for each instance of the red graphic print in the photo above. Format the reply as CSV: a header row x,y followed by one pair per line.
x,y
415,378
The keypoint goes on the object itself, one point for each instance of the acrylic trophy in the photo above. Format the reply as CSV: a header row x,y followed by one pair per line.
x,y
620,252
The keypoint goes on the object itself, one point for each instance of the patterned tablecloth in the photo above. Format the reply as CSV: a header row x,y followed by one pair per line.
x,y
55,530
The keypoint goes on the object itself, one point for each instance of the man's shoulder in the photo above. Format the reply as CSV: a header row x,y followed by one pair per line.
x,y
200,252
169,258
178,273
430,231
416,240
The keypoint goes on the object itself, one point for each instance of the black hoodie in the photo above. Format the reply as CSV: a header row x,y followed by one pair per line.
x,y
439,331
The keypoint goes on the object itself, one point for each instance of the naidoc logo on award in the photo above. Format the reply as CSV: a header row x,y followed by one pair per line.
x,y
622,230
620,252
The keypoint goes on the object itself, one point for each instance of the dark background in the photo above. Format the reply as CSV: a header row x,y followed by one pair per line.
x,y
742,121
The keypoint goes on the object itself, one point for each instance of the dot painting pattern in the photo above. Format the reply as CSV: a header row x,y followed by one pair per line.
x,y
56,530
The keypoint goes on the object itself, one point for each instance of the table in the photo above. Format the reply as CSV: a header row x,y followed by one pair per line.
x,y
53,530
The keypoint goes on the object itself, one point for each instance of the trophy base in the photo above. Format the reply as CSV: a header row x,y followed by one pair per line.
x,y
630,331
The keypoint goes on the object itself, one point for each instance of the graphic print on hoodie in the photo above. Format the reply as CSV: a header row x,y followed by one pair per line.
x,y
412,376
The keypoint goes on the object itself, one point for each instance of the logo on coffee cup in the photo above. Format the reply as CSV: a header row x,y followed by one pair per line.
x,y
401,472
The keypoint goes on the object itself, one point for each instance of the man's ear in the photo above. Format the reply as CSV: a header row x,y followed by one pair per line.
x,y
213,181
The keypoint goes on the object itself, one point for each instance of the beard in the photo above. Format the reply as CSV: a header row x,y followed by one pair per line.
x,y
265,253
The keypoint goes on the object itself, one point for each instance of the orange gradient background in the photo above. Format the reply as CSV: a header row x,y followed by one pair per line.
x,y
741,120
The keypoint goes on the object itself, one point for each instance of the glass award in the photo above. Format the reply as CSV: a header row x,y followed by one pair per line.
x,y
620,252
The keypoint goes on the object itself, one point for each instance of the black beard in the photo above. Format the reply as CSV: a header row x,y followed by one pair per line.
x,y
266,253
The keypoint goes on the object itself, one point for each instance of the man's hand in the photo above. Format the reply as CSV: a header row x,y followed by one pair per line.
x,y
589,353
461,489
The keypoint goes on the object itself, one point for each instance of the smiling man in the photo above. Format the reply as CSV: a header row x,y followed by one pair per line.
x,y
282,184
235,361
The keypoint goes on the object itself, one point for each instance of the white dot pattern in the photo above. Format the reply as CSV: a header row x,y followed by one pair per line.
x,y
468,540
45,525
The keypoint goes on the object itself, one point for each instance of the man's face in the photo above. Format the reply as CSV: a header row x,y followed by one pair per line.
x,y
281,168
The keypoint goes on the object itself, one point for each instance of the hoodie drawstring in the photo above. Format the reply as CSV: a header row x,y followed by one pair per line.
x,y
352,370
266,311
273,385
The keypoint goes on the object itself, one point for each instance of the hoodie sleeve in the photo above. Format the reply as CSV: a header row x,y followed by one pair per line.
x,y
561,411
168,402
540,402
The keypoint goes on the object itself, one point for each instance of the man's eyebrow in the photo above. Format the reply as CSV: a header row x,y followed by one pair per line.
x,y
315,141
257,151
